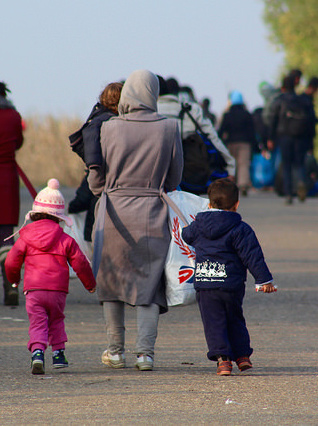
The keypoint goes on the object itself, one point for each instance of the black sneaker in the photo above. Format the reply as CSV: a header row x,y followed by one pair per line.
x,y
59,360
37,363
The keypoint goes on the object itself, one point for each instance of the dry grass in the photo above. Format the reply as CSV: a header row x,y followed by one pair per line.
x,y
46,151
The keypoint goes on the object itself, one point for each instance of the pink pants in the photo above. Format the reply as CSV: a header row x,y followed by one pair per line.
x,y
46,315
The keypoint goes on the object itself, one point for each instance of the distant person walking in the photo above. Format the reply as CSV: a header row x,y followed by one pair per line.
x,y
170,106
11,139
142,157
288,124
308,98
238,133
205,104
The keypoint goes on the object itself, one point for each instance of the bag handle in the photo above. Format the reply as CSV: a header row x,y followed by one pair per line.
x,y
185,109
26,181
175,208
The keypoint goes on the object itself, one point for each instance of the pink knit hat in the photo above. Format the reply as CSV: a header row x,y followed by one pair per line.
x,y
50,201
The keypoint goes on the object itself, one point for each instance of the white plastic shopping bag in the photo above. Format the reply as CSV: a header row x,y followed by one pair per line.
x,y
180,262
77,232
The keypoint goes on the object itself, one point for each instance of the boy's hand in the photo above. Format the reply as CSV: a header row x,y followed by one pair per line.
x,y
269,288
92,290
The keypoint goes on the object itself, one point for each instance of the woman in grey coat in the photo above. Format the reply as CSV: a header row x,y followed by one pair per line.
x,y
142,157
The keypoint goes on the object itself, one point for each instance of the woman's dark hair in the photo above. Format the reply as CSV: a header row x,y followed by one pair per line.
x,y
163,89
39,216
288,83
313,82
172,86
223,194
4,89
110,96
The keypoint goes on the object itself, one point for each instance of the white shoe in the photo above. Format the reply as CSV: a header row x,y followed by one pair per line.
x,y
144,363
114,361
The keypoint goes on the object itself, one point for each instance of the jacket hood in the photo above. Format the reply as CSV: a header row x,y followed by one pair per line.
x,y
216,223
41,234
140,92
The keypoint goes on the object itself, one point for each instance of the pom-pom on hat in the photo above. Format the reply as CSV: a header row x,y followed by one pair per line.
x,y
50,201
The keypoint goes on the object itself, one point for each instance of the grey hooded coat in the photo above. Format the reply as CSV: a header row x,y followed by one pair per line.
x,y
142,157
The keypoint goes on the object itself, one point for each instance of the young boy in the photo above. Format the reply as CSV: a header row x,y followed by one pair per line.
x,y
46,251
226,247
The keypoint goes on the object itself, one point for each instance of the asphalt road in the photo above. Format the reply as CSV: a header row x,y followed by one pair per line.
x,y
281,389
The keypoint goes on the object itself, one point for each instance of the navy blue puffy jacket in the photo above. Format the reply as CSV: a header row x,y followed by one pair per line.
x,y
226,247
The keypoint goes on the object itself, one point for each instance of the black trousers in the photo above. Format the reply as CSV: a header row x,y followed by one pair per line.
x,y
224,324
293,154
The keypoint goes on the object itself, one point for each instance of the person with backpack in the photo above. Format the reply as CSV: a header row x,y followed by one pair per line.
x,y
308,97
288,122
85,142
198,162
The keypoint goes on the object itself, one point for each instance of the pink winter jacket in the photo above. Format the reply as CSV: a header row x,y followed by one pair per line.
x,y
46,251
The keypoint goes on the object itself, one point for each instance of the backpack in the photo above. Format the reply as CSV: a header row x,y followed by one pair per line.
x,y
90,152
294,116
202,161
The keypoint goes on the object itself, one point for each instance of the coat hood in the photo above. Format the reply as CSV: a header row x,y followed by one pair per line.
x,y
140,92
266,90
217,223
41,234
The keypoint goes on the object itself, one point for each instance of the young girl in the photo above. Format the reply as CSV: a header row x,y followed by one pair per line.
x,y
46,250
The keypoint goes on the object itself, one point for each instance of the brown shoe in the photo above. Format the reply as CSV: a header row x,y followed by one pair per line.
x,y
302,191
224,368
244,363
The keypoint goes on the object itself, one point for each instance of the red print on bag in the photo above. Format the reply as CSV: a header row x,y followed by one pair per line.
x,y
185,250
186,274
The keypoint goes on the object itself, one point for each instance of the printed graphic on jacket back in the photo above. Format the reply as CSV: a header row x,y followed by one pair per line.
x,y
210,271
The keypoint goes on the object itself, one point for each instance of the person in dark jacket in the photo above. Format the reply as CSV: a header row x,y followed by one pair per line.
x,y
84,201
308,97
237,132
226,247
11,139
292,146
86,143
207,113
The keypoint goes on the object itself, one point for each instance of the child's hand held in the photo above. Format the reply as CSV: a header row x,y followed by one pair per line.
x,y
266,288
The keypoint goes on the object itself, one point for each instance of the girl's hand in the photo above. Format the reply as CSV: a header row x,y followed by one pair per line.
x,y
92,290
